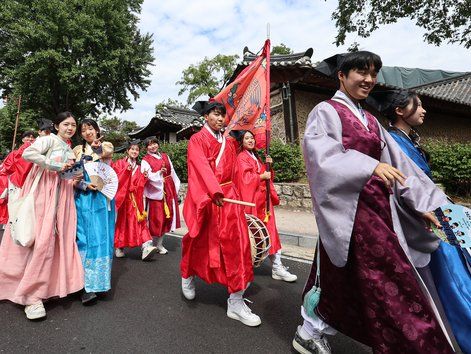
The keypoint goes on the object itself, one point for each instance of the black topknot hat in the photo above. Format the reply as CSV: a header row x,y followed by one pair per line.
x,y
203,107
331,65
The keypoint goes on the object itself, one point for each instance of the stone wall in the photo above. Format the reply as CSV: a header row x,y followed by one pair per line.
x,y
294,196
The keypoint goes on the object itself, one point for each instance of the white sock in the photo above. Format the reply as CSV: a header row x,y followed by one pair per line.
x,y
276,259
314,327
237,296
146,244
160,241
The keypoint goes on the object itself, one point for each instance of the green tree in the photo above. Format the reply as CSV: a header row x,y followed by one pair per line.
x,y
207,77
171,103
443,20
281,49
116,130
86,56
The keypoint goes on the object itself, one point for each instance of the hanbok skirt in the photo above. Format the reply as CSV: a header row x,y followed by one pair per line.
x,y
51,266
453,282
95,237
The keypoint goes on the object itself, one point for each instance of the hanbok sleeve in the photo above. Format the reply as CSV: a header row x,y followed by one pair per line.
x,y
200,170
419,193
107,149
36,153
336,177
248,180
175,178
124,176
155,183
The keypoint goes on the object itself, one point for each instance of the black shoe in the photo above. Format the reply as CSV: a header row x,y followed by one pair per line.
x,y
88,298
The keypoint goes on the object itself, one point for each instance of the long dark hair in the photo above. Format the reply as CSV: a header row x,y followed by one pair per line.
x,y
402,101
93,124
60,118
240,139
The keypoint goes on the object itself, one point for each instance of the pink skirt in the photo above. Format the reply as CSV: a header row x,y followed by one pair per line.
x,y
52,266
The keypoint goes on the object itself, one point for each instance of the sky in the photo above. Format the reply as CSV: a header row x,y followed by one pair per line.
x,y
185,32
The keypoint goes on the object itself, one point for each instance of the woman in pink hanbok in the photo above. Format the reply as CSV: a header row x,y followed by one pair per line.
x,y
51,267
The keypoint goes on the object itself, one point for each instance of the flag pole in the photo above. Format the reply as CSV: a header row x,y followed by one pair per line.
x,y
268,124
16,123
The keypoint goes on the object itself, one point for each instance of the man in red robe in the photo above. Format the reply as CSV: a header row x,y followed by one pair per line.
x,y
216,247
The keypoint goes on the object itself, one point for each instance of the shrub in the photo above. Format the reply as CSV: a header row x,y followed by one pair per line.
x,y
177,153
288,162
451,165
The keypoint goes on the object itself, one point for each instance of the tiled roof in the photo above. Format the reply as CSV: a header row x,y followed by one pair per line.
x,y
172,118
296,59
178,116
457,90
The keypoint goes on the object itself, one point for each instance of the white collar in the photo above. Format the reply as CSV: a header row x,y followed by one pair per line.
x,y
355,108
157,155
252,155
218,138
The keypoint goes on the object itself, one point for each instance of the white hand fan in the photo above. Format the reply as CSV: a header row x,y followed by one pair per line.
x,y
104,177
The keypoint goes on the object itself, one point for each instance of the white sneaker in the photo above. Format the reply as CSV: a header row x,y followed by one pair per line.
x,y
119,253
188,288
161,250
35,311
148,253
238,310
280,272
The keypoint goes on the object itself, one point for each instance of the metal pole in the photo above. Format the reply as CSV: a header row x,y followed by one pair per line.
x,y
16,123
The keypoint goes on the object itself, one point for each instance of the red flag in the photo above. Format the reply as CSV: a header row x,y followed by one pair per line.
x,y
247,99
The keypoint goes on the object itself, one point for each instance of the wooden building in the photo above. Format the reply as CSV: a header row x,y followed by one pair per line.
x,y
296,87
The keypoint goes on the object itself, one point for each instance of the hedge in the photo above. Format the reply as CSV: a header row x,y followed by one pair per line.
x,y
287,159
451,165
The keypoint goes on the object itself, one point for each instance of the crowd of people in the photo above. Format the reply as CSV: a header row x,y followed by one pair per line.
x,y
384,275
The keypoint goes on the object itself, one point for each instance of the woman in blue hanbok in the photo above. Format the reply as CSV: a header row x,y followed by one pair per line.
x,y
95,216
448,265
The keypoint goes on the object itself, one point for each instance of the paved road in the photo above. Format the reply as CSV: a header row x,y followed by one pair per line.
x,y
145,312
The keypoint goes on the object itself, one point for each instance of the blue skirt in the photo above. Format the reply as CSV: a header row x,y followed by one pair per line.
x,y
453,282
95,237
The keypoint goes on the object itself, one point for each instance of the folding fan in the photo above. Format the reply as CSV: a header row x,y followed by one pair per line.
x,y
104,177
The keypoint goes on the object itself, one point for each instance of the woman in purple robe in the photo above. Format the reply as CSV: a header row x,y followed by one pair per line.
x,y
370,203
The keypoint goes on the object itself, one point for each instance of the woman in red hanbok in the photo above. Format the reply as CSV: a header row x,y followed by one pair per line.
x,y
161,192
131,227
251,181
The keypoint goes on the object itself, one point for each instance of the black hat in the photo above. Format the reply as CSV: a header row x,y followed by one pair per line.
x,y
331,66
203,107
45,124
383,101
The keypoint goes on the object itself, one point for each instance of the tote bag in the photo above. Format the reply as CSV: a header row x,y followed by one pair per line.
x,y
22,217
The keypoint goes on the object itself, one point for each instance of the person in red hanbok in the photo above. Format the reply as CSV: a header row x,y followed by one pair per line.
x,y
161,192
13,173
216,247
251,181
131,223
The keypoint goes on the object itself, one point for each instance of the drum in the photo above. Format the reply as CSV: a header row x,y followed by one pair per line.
x,y
259,239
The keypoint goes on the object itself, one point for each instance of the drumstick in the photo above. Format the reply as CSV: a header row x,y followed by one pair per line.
x,y
240,202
